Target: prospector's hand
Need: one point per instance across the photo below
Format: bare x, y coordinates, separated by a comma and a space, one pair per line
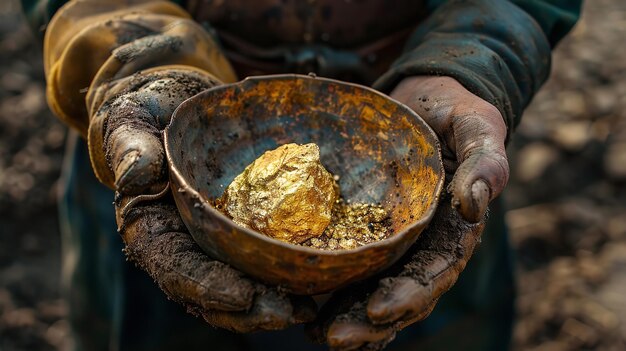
155, 236
368, 316
473, 134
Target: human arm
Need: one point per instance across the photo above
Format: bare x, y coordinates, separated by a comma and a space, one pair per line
469, 73
115, 71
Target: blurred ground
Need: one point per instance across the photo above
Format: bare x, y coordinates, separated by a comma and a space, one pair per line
567, 195
31, 146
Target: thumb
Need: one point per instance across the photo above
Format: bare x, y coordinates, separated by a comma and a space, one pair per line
479, 139
137, 159
125, 134
132, 145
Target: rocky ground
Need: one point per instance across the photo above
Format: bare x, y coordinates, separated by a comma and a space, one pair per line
567, 195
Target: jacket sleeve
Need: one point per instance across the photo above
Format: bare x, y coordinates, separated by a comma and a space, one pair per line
88, 43
499, 50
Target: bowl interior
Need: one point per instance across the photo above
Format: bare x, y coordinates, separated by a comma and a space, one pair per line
382, 152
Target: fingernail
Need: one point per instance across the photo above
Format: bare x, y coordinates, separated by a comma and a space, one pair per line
352, 335
348, 335
380, 304
124, 166
480, 198
404, 297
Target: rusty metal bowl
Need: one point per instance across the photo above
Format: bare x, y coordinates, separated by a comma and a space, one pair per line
383, 152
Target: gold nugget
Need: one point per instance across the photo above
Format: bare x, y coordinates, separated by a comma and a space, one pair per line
286, 194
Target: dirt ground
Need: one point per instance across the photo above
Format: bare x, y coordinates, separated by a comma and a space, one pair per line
567, 195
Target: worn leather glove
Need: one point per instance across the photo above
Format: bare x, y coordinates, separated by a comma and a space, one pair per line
116, 70
367, 316
157, 240
130, 120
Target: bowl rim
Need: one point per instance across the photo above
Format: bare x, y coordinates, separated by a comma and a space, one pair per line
185, 187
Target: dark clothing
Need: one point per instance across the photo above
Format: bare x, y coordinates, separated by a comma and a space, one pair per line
499, 50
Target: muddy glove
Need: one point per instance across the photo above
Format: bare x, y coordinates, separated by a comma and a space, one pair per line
158, 241
116, 70
155, 237
367, 316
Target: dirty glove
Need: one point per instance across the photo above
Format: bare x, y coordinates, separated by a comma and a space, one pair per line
158, 241
367, 316
154, 235
115, 71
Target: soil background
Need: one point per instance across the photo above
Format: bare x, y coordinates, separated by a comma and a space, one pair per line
567, 195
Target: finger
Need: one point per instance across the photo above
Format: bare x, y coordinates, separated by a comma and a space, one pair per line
346, 335
432, 267
418, 317
271, 310
137, 159
132, 135
352, 330
132, 127
359, 334
401, 298
342, 323
157, 240
484, 169
405, 299
472, 129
